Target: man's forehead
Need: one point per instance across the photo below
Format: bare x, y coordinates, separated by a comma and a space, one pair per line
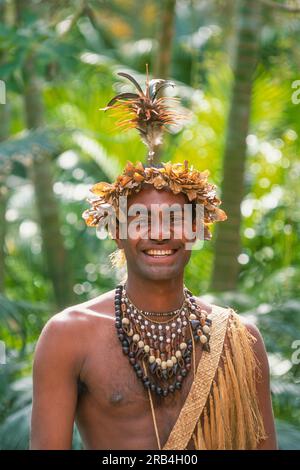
150, 195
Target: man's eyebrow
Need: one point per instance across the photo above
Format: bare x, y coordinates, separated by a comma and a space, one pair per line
148, 210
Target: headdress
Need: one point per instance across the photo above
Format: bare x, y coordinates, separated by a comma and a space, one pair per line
151, 115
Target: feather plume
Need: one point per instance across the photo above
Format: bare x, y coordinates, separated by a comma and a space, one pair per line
145, 111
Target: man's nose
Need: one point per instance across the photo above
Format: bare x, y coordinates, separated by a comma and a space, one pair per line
159, 229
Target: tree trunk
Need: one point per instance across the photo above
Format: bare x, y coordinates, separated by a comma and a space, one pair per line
162, 62
165, 39
56, 257
228, 246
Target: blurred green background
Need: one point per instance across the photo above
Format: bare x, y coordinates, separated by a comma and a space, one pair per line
236, 65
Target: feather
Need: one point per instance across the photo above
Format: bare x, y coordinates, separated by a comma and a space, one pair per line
156, 85
121, 96
145, 112
133, 80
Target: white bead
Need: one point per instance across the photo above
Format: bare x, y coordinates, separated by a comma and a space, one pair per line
203, 339
167, 328
192, 316
154, 337
161, 338
158, 361
178, 354
174, 360
159, 327
169, 363
141, 344
148, 334
183, 346
152, 327
125, 321
173, 325
163, 365
136, 338
206, 329
151, 359
146, 348
168, 340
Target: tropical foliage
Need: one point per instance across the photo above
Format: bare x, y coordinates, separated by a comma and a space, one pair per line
59, 66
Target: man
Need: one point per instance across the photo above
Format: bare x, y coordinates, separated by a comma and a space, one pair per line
193, 385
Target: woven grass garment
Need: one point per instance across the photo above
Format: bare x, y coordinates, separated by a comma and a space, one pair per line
223, 392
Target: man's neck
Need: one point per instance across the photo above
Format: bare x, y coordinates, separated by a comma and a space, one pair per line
155, 296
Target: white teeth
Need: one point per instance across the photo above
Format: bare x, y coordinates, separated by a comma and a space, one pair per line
159, 252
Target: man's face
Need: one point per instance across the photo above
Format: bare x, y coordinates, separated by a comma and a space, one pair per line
139, 244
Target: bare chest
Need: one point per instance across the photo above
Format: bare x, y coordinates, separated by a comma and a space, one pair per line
115, 399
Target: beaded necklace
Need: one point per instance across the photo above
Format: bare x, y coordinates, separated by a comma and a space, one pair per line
160, 351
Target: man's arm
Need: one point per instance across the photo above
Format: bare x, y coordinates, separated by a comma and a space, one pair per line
263, 390
55, 370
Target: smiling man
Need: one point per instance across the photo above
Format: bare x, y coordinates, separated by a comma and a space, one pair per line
148, 365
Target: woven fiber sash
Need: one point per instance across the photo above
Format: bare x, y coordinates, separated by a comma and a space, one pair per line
196, 399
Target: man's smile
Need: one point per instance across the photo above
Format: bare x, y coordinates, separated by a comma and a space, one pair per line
160, 254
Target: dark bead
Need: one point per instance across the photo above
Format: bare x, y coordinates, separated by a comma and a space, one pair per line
147, 384
195, 324
131, 354
179, 378
125, 343
152, 367
178, 385
165, 374
139, 373
190, 342
188, 360
186, 354
132, 360
158, 390
153, 387
120, 331
171, 388
121, 337
165, 392
136, 367
190, 347
118, 324
188, 367
125, 351
183, 372
145, 378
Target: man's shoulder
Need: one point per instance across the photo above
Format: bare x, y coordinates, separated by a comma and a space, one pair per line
81, 317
